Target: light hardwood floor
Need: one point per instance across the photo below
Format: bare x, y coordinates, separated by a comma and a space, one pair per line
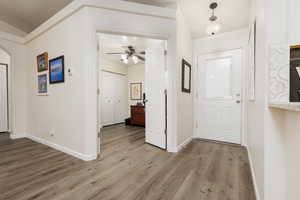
128, 169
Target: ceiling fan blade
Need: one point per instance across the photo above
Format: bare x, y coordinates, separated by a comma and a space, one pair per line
113, 53
141, 58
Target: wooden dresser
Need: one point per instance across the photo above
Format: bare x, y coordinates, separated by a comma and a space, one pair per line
137, 115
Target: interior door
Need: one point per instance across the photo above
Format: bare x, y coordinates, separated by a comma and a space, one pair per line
121, 98
219, 102
154, 89
3, 99
107, 103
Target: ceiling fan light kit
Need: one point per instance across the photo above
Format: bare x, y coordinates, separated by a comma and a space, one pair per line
214, 27
130, 53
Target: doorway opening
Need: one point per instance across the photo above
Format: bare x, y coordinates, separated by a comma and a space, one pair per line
131, 91
4, 91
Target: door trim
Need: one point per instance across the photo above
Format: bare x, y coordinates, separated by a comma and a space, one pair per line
7, 95
243, 90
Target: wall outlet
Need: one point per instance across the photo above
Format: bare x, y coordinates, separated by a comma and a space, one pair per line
52, 132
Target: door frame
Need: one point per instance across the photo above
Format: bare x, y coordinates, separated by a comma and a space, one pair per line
169, 88
244, 76
7, 96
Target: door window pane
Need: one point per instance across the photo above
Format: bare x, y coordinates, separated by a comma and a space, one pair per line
218, 78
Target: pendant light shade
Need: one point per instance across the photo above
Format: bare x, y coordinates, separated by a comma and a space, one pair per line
213, 28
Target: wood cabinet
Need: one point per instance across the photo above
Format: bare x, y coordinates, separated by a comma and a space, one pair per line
138, 115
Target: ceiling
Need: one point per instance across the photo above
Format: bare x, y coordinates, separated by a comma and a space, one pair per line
115, 43
27, 15
160, 3
233, 14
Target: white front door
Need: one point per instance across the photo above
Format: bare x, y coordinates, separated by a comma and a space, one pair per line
155, 95
219, 96
3, 99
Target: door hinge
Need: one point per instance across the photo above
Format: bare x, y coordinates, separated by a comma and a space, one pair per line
98, 91
166, 52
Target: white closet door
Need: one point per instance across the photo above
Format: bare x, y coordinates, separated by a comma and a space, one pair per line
107, 104
121, 98
114, 104
3, 99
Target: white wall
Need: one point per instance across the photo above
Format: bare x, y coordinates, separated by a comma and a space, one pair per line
113, 66
256, 109
222, 42
69, 112
11, 29
17, 83
4, 57
64, 113
282, 127
136, 74
185, 100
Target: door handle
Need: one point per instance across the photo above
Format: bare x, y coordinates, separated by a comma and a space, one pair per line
238, 101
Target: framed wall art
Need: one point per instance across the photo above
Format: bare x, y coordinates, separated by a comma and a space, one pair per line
186, 77
57, 70
136, 91
42, 62
42, 84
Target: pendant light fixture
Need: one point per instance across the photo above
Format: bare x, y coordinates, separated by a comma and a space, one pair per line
213, 28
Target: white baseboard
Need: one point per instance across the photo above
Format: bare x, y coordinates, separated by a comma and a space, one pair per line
17, 136
184, 143
62, 148
253, 175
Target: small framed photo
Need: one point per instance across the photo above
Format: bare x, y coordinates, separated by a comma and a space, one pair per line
42, 84
136, 91
186, 76
42, 62
57, 70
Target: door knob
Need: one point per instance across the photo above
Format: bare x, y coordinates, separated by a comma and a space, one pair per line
238, 101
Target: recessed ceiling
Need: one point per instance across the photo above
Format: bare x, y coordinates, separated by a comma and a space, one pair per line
117, 44
232, 14
27, 15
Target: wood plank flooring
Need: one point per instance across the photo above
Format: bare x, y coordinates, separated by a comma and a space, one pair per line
128, 169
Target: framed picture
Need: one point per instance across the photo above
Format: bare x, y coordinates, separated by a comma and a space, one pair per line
57, 70
186, 76
136, 91
42, 84
42, 62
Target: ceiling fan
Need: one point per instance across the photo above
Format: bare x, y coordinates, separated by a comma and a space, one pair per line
130, 53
